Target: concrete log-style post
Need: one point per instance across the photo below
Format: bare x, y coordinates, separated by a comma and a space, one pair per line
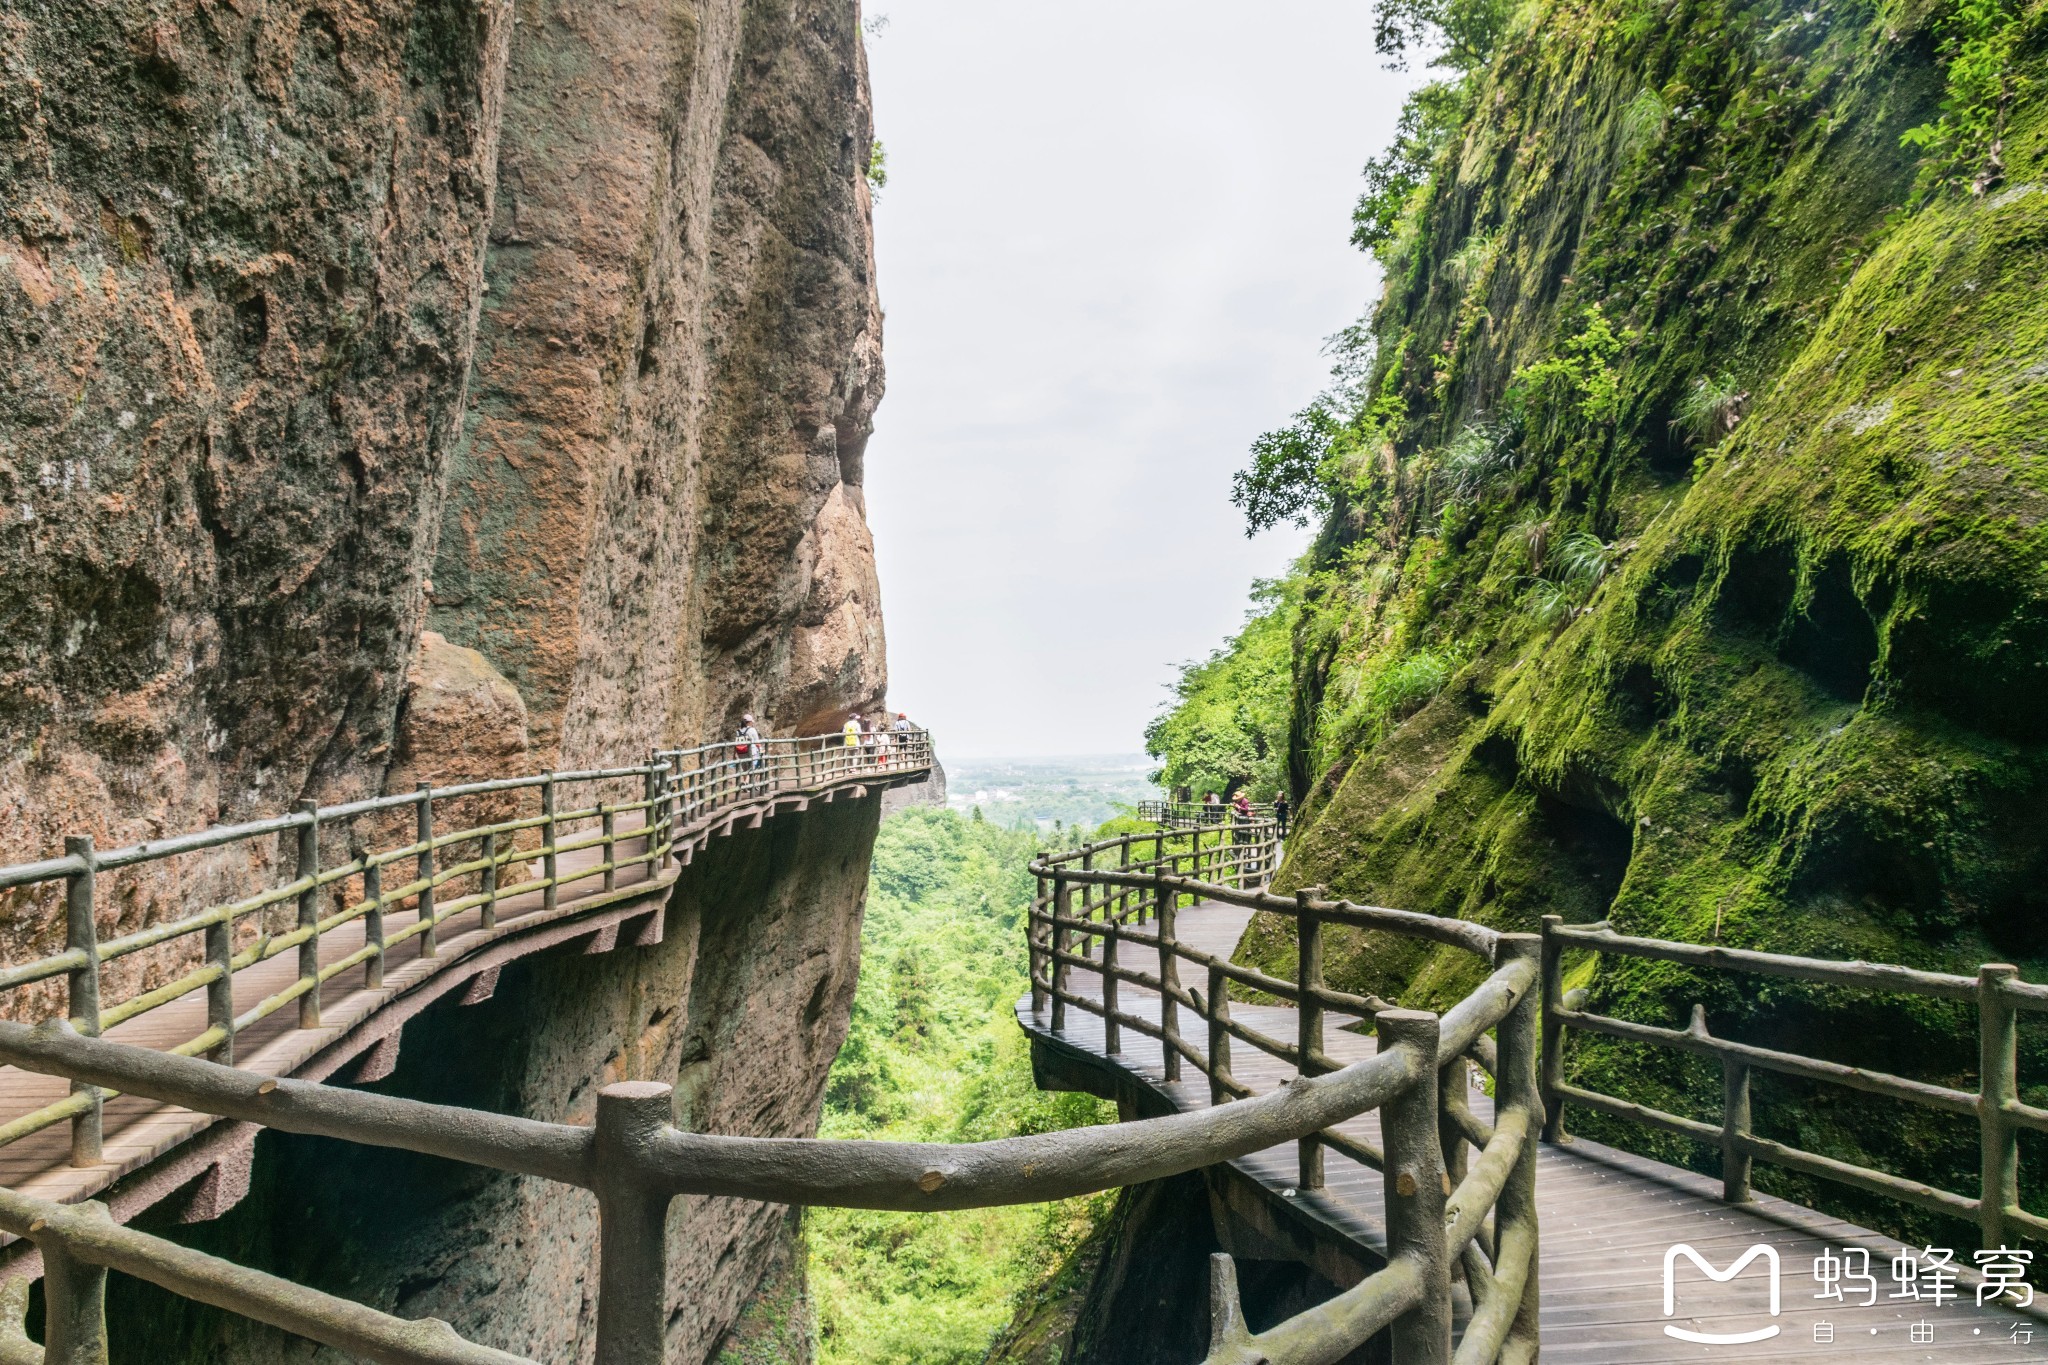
1219, 1037
1516, 1086
1998, 1070
1551, 1072
1061, 939
1087, 948
548, 833
1036, 936
373, 925
489, 888
220, 992
1112, 1031
1735, 1126
1169, 982
652, 796
609, 822
425, 832
308, 871
1308, 983
1415, 1190
81, 934
632, 1302
74, 1302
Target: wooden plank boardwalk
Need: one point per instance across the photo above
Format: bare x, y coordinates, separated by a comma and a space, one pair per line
360, 1026
1608, 1221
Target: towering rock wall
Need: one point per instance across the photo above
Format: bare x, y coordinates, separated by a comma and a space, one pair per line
551, 326
422, 390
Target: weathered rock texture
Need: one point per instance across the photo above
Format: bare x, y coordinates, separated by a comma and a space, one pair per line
742, 1007
324, 323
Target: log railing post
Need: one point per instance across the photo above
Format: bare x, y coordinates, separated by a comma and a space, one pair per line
428, 946
1087, 939
74, 1302
1515, 1087
548, 838
1037, 935
82, 984
1416, 1189
1735, 1126
1998, 1085
373, 925
632, 1299
1219, 1035
1169, 983
490, 881
608, 820
308, 871
651, 794
1112, 1032
1308, 985
1060, 940
1551, 1074
220, 992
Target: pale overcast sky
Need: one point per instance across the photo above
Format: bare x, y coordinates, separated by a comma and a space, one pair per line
1112, 243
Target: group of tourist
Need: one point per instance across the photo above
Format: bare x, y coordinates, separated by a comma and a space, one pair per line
1241, 809
876, 735
865, 732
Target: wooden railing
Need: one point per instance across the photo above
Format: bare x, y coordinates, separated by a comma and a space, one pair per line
401, 865
1091, 913
1190, 814
1996, 995
636, 1162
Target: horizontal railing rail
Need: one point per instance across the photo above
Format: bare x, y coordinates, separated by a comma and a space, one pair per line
402, 866
1091, 912
633, 1160
1998, 997
1183, 814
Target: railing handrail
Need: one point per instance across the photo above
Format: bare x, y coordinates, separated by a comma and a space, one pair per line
1996, 991
1092, 903
636, 1161
673, 791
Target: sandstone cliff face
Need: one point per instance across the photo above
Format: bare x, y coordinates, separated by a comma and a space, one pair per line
555, 330
420, 390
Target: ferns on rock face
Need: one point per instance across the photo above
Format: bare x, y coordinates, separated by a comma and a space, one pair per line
1711, 408
1643, 121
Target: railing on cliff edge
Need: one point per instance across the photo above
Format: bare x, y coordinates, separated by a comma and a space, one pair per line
673, 790
1995, 994
1192, 814
636, 1162
1088, 913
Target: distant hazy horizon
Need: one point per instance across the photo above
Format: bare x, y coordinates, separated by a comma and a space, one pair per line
1112, 241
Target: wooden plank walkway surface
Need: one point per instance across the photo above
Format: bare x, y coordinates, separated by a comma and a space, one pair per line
1608, 1218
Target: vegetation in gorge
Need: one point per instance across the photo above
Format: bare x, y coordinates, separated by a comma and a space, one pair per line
934, 1054
1681, 555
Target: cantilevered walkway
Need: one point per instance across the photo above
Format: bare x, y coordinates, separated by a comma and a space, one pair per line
1608, 1220
371, 912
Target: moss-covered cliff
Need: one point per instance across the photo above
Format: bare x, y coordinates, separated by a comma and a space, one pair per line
1683, 560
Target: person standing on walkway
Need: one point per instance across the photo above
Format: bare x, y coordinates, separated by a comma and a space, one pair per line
1280, 815
746, 747
850, 738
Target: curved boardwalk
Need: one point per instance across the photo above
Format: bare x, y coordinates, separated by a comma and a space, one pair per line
360, 1029
1608, 1221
